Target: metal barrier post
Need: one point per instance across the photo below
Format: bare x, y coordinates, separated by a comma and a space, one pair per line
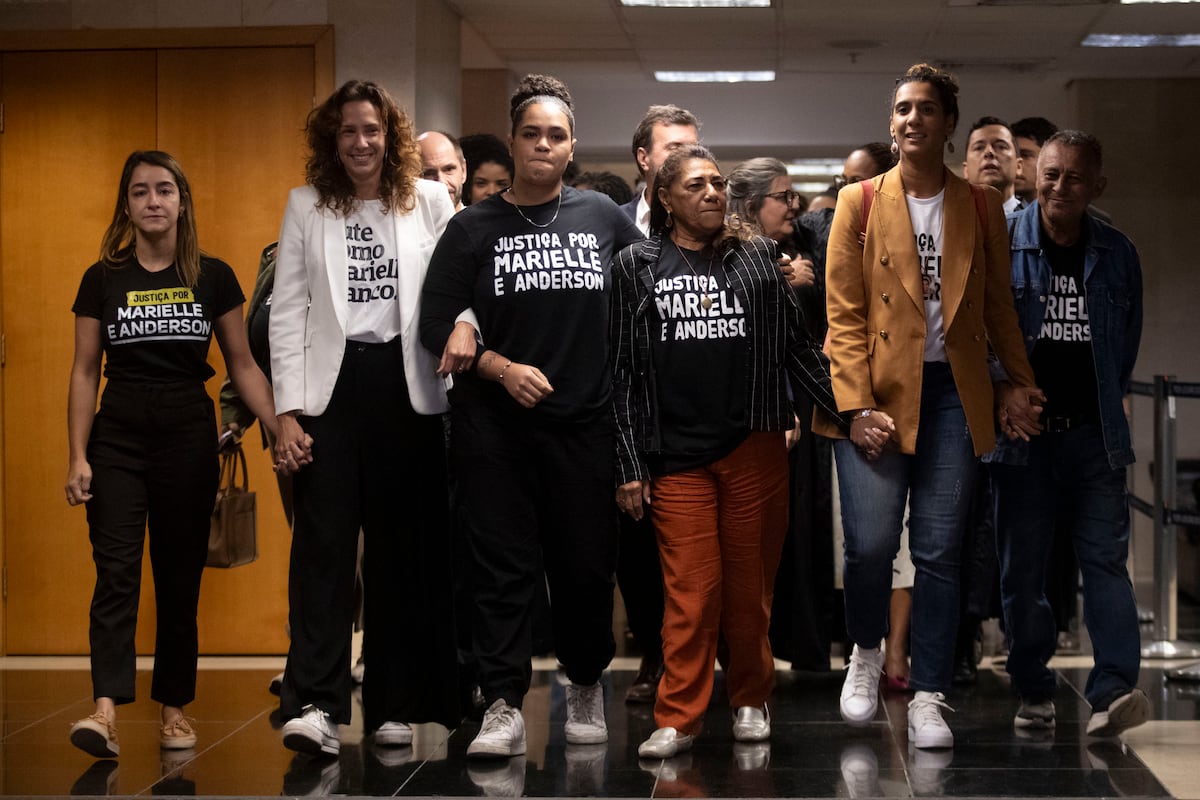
1166, 578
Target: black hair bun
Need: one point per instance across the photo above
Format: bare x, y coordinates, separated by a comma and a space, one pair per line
540, 86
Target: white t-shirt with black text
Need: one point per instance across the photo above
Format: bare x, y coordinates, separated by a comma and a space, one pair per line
927, 218
373, 312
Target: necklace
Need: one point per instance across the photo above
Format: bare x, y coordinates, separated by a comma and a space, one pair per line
527, 219
706, 300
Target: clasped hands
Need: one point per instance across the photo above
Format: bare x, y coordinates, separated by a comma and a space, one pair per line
871, 431
293, 447
1019, 409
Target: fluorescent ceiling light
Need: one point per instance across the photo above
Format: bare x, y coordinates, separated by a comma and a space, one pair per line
1142, 40
714, 76
1131, 2
815, 166
699, 3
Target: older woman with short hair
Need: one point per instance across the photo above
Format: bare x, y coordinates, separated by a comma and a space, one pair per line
707, 335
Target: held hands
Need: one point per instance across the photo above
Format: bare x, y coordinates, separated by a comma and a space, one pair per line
79, 482
459, 353
293, 447
798, 272
633, 497
871, 432
1018, 409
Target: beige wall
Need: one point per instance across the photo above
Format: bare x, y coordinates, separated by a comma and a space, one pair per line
1152, 197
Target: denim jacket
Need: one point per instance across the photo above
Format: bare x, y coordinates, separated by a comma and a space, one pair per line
1112, 278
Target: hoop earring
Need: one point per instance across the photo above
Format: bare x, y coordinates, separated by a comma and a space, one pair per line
895, 148
670, 222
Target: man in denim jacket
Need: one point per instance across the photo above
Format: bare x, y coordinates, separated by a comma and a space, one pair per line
1077, 286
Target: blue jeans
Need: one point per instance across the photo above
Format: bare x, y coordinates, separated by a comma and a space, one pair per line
1067, 478
938, 481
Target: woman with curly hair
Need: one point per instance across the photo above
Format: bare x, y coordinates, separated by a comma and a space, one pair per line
353, 251
531, 424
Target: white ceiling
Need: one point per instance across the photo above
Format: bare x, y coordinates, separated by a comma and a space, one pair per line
835, 61
847, 36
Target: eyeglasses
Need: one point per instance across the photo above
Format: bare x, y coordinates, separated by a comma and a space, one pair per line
787, 196
841, 181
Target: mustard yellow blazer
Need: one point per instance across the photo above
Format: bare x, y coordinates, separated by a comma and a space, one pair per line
876, 308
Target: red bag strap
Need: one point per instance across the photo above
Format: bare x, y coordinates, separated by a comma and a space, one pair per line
868, 188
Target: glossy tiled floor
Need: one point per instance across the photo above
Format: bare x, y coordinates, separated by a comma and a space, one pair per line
811, 753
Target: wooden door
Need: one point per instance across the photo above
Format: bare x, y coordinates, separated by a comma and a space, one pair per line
234, 119
70, 121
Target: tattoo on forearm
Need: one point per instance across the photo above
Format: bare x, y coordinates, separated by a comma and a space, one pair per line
485, 362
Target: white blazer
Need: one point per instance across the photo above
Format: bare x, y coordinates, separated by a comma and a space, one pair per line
309, 305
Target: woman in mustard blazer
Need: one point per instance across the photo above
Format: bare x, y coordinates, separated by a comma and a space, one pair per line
918, 285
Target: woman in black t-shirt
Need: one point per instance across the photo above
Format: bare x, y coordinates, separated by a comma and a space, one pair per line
707, 333
149, 455
531, 431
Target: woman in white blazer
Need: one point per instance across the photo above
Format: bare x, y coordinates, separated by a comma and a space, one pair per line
349, 372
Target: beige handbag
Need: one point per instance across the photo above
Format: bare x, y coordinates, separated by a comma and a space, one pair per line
233, 532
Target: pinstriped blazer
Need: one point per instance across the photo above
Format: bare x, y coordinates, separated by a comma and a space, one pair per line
778, 345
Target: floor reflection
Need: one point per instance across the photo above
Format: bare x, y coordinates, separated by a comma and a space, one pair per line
811, 752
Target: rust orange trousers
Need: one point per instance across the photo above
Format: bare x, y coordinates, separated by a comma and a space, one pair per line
720, 532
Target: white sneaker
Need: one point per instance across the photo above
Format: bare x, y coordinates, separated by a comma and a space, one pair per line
502, 733
585, 715
1127, 711
394, 734
860, 692
314, 731
665, 743
752, 724
926, 728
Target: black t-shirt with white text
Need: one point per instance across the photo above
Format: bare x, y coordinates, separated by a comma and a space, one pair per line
153, 328
1062, 358
539, 285
698, 345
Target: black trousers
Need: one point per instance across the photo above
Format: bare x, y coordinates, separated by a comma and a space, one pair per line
379, 466
153, 452
528, 485
639, 574
804, 608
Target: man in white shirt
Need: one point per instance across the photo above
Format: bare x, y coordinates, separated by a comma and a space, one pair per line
662, 130
442, 160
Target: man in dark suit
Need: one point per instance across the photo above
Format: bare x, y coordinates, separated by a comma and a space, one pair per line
663, 130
